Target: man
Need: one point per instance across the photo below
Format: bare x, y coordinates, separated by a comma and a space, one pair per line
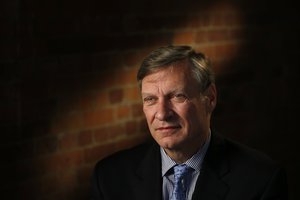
186, 160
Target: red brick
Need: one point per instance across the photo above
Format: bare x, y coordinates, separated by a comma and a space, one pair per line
127, 77
116, 131
137, 110
58, 162
123, 112
101, 99
201, 36
110, 133
208, 51
98, 117
71, 159
132, 94
67, 122
96, 153
116, 96
131, 127
228, 51
87, 102
217, 35
84, 173
184, 38
68, 141
85, 138
101, 135
134, 58
129, 142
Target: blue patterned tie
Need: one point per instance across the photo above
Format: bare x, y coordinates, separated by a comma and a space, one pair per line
179, 191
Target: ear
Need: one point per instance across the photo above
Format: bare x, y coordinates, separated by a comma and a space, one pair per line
211, 97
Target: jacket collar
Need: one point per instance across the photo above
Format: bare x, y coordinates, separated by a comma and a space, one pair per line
210, 184
149, 186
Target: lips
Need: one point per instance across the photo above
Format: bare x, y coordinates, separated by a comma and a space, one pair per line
167, 128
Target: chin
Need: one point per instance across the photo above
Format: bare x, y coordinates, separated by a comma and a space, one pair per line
168, 144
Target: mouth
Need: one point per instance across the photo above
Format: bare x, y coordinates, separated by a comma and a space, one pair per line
167, 128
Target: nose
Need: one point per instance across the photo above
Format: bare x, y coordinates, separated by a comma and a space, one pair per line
164, 111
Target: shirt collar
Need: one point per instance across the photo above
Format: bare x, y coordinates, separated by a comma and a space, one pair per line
194, 162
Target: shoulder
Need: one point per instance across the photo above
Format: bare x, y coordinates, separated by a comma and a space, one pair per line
246, 170
244, 163
247, 156
127, 158
237, 152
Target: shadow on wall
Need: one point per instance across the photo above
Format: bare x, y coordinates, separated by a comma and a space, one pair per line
70, 96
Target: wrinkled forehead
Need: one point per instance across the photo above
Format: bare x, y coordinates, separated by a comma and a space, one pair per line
176, 75
181, 66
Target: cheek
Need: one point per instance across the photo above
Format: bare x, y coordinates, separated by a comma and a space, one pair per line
148, 114
186, 115
191, 116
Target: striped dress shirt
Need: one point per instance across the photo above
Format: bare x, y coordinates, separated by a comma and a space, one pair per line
194, 163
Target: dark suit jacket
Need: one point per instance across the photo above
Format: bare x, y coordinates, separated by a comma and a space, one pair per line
230, 171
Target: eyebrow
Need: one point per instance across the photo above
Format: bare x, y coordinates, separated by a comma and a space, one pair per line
176, 90
147, 94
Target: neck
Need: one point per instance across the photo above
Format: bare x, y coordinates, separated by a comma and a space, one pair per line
181, 155
178, 156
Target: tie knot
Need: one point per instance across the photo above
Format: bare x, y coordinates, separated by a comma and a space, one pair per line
180, 185
180, 170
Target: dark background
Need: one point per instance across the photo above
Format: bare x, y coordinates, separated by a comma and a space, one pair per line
69, 95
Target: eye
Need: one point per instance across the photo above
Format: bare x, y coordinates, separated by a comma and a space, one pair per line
179, 98
149, 100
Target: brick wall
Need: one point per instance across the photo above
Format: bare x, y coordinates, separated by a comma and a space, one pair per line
69, 95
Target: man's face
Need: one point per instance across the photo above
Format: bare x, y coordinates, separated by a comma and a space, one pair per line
177, 114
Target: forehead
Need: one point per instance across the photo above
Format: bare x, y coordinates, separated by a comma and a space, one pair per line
174, 76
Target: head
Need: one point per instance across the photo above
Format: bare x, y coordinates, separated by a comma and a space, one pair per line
179, 96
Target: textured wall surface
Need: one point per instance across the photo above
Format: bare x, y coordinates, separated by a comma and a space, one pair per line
69, 95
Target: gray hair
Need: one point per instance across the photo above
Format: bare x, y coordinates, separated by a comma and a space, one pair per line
165, 56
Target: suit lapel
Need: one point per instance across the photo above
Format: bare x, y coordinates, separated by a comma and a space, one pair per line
149, 184
210, 184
